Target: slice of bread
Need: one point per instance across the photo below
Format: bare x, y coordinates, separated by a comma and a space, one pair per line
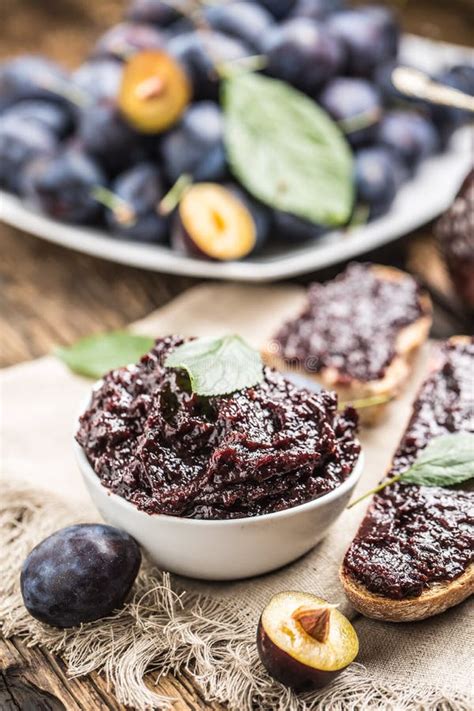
380, 392
432, 601
436, 598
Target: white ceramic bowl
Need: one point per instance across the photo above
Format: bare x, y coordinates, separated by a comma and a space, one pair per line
222, 550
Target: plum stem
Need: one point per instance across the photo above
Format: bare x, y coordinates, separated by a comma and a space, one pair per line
359, 121
124, 212
67, 90
174, 194
314, 621
243, 65
360, 216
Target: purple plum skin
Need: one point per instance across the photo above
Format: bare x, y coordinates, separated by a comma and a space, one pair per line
79, 574
287, 670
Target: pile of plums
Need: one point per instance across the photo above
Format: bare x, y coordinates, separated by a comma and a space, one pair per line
106, 144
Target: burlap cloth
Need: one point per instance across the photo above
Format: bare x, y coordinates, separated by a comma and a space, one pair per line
211, 629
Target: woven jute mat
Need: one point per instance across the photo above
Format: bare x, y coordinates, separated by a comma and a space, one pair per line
169, 622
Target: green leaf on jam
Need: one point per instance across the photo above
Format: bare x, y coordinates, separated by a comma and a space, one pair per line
286, 150
218, 366
94, 356
446, 461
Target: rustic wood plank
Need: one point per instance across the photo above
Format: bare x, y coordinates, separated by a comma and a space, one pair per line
51, 296
27, 675
31, 677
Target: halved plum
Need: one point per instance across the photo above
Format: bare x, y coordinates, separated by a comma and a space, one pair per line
154, 91
303, 641
212, 222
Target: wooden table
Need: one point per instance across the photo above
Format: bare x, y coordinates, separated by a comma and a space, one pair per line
52, 296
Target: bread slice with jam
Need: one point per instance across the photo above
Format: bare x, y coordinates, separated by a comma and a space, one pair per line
413, 555
357, 335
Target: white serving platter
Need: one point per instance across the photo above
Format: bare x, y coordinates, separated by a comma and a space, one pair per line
420, 200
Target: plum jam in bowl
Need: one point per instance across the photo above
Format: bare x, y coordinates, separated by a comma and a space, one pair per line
217, 488
222, 549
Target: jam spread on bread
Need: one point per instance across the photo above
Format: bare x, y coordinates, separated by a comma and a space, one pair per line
351, 324
256, 451
416, 536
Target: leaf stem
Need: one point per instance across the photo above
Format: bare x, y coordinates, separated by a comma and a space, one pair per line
451, 454
376, 490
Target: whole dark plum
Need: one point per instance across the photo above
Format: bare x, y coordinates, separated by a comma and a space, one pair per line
141, 189
292, 229
180, 27
32, 77
199, 53
154, 12
370, 37
79, 574
196, 146
316, 9
62, 186
244, 20
378, 175
356, 104
99, 79
261, 215
127, 38
388, 25
21, 141
302, 53
55, 117
104, 134
409, 135
278, 8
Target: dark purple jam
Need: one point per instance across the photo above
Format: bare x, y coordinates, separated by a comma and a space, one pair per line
351, 324
455, 233
259, 450
413, 536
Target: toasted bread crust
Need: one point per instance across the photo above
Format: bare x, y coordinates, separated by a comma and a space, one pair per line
432, 601
409, 340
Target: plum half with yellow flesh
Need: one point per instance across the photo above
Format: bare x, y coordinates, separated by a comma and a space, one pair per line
303, 641
213, 223
154, 91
